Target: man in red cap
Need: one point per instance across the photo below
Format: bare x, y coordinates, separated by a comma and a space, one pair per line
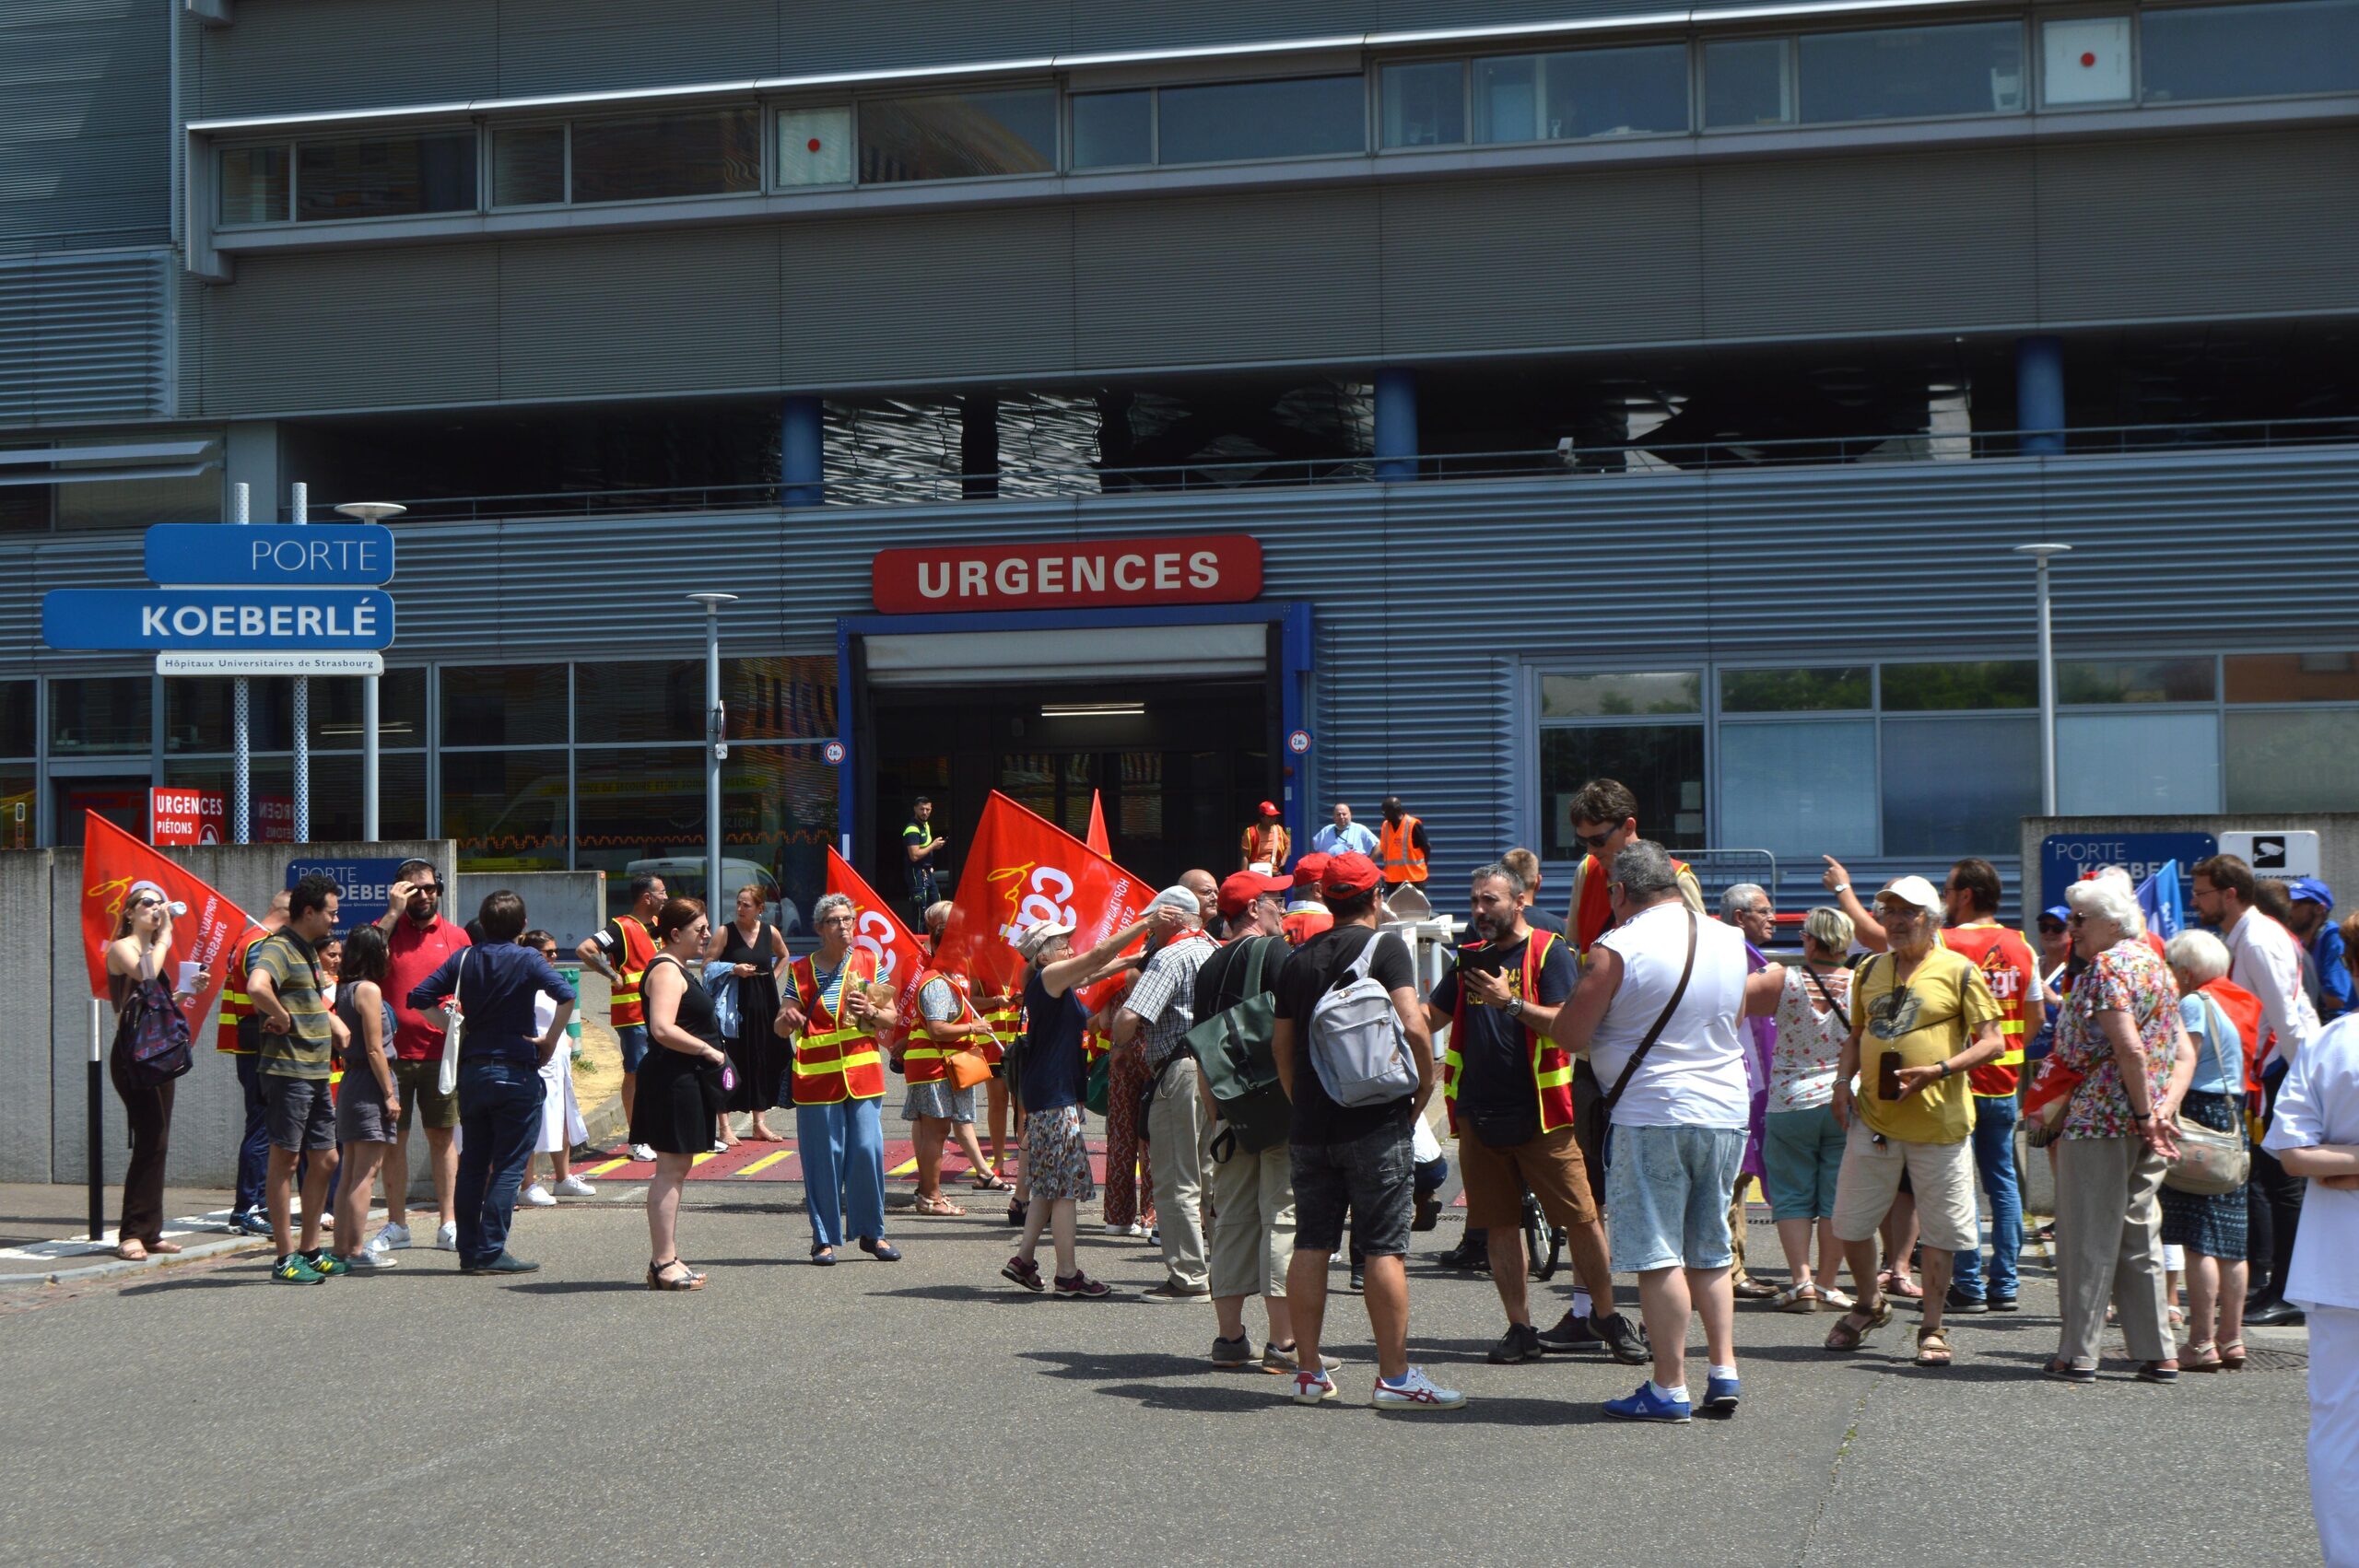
1265, 844
1306, 917
1252, 1191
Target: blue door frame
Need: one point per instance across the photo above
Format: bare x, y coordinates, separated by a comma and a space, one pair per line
1295, 655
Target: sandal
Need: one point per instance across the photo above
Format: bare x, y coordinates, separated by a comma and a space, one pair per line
1846, 1334
942, 1206
2232, 1356
987, 1182
2178, 1317
1798, 1298
132, 1252
1906, 1288
661, 1278
2063, 1371
1933, 1348
2156, 1372
2202, 1355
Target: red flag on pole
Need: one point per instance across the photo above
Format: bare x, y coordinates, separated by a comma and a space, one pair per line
900, 956
1020, 868
113, 861
1098, 839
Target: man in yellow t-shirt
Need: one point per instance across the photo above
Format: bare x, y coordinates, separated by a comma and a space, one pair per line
1922, 1017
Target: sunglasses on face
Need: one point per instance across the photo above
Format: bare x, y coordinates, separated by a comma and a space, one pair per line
148, 904
1594, 841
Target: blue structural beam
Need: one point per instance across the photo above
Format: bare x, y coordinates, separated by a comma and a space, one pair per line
2039, 394
1396, 424
801, 453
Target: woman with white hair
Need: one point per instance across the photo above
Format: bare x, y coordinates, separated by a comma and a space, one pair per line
2121, 1033
1802, 1145
2222, 1019
836, 1082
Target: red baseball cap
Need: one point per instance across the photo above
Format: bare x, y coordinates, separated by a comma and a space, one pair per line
1237, 893
1309, 870
1269, 810
1349, 873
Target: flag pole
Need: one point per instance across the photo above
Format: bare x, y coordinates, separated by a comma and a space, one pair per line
97, 1128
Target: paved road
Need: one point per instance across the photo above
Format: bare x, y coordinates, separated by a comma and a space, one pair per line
925, 1412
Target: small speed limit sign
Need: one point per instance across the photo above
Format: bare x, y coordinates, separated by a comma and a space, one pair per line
1298, 743
834, 752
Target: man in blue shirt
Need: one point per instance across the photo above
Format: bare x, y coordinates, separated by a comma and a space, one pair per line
2313, 921
1343, 836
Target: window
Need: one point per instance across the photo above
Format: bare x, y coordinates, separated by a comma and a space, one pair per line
95, 504
1905, 73
2291, 760
1930, 689
958, 136
18, 794
2249, 51
528, 166
509, 810
505, 705
1954, 786
650, 701
105, 715
2293, 677
2137, 764
1796, 691
1232, 121
2135, 680
200, 714
1593, 92
707, 153
1798, 788
1113, 130
1607, 695
387, 177
2084, 60
401, 711
1662, 764
780, 698
253, 185
401, 795
814, 146
1425, 104
18, 728
1748, 81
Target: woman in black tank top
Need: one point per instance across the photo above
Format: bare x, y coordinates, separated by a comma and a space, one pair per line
680, 1088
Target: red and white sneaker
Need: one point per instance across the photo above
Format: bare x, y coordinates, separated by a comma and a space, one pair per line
1317, 1387
1415, 1391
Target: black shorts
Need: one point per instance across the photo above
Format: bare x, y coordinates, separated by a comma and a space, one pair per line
302, 1114
1374, 1176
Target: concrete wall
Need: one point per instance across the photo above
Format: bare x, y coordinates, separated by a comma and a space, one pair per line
570, 906
45, 1029
2338, 841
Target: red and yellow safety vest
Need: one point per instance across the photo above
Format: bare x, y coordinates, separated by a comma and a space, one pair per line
2012, 974
236, 1004
835, 1063
1591, 913
1397, 856
1301, 925
926, 1060
1552, 1065
1260, 843
629, 1011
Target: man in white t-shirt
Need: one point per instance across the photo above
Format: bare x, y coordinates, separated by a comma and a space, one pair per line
1678, 1110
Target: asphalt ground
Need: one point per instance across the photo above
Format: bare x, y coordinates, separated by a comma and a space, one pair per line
926, 1410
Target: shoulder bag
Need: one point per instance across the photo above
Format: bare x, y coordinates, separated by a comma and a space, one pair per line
2210, 1161
1678, 994
447, 1077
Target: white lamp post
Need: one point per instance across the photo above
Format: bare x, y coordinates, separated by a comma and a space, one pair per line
2039, 555
716, 737
369, 511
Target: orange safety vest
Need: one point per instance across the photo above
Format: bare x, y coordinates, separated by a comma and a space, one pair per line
926, 1060
1259, 843
1398, 855
627, 1011
1301, 925
236, 1004
1552, 1065
1591, 913
2012, 974
832, 1062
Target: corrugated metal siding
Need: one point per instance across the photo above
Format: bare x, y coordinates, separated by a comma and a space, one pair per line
676, 311
1504, 264
354, 328
874, 35
83, 336
564, 46
1219, 278
1934, 239
296, 56
1191, 24
2194, 226
85, 86
1454, 587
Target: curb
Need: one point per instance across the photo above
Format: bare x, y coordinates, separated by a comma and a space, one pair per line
221, 1248
607, 1125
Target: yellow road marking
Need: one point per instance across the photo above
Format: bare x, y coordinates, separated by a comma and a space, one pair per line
601, 1170
766, 1162
907, 1168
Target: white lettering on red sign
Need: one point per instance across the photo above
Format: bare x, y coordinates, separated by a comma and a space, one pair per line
1211, 570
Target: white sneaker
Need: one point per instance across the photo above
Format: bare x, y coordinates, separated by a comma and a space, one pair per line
537, 1197
1317, 1387
366, 1259
718, 1147
1115, 1230
391, 1239
447, 1238
574, 1186
642, 1153
1415, 1391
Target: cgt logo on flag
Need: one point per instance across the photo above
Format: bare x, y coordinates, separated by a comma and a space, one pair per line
1034, 893
109, 895
873, 931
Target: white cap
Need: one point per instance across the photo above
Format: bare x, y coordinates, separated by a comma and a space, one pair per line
1038, 934
1176, 898
1917, 891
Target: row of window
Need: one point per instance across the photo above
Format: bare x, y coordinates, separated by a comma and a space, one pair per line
2177, 54
1943, 759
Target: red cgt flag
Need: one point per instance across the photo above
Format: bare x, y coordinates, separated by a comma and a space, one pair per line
1020, 868
113, 861
1098, 839
901, 957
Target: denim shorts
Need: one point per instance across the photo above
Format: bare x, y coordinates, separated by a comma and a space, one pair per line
1667, 1196
1374, 1176
633, 1038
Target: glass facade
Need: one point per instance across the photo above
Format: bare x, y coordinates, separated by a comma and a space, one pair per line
1912, 72
385, 177
1237, 121
2252, 51
958, 136
528, 166
814, 146
1748, 81
1113, 130
707, 153
1590, 92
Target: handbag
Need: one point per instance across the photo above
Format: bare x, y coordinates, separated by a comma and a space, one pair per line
447, 1077
152, 1036
2210, 1161
968, 1068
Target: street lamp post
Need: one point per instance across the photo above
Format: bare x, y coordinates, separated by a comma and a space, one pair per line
716, 738
369, 511
2039, 555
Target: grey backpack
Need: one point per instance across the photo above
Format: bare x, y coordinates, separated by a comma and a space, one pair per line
1358, 1046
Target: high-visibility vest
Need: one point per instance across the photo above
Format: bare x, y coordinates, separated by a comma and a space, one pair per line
926, 1060
2012, 974
1590, 913
236, 1001
1007, 1019
1301, 924
833, 1062
639, 951
1552, 1065
1398, 855
1259, 843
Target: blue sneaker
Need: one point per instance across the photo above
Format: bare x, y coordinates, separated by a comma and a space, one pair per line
1720, 1397
252, 1223
1647, 1405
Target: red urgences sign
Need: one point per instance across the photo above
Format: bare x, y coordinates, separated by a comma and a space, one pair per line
1216, 568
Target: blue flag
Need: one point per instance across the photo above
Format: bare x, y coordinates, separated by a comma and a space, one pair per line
2158, 900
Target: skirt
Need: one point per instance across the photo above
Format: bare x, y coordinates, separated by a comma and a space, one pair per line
2212, 1224
940, 1100
679, 1099
1056, 1155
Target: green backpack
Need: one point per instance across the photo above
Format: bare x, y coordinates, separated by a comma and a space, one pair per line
1232, 1048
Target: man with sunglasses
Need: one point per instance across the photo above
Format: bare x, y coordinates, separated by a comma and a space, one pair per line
418, 940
